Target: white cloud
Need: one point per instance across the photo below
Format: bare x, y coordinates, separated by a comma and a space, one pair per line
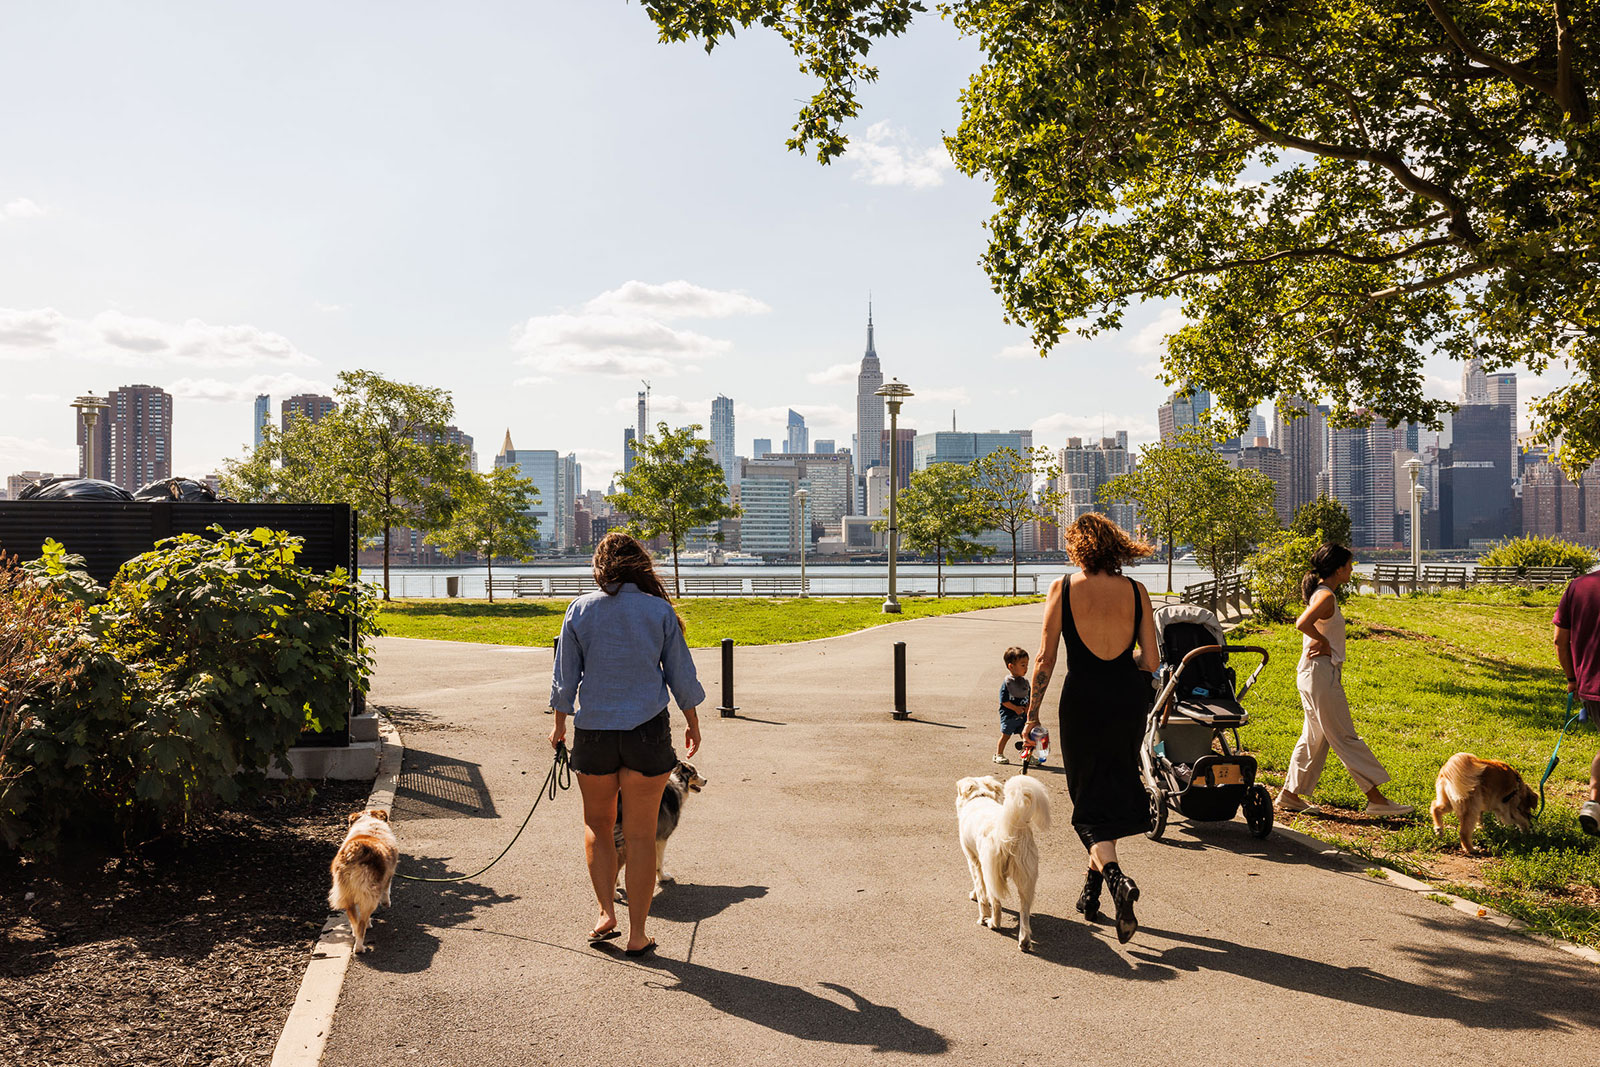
885, 155
944, 395
1151, 340
45, 398
320, 306
20, 208
29, 334
216, 391
613, 345
38, 453
534, 379
114, 337
673, 300
1022, 351
1053, 430
837, 374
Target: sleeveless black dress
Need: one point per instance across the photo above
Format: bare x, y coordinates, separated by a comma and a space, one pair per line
1104, 704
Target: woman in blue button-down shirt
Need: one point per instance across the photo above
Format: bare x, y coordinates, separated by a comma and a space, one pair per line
621, 652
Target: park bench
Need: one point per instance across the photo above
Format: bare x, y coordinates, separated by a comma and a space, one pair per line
1497, 576
1225, 598
503, 586
1550, 575
1445, 576
713, 586
1397, 576
571, 586
776, 586
517, 585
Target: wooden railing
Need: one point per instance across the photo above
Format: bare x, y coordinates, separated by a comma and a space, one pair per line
1226, 597
1398, 578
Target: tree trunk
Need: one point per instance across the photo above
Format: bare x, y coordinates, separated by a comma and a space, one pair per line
1169, 561
677, 589
938, 562
490, 561
385, 561
1013, 562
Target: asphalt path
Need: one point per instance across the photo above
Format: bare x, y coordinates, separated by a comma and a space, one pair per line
821, 915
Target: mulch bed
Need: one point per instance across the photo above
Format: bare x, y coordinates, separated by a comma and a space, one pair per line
189, 953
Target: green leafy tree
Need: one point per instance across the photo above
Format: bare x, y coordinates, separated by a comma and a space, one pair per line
383, 450
1275, 571
675, 485
940, 513
1232, 514
1333, 192
1323, 518
491, 518
1532, 551
1161, 487
1014, 488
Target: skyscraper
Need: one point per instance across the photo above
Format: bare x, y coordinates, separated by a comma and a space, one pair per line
799, 438
133, 437
1299, 432
555, 477
761, 446
722, 436
629, 449
1475, 501
263, 416
1502, 389
1360, 475
1474, 383
869, 407
1181, 410
311, 406
642, 427
824, 446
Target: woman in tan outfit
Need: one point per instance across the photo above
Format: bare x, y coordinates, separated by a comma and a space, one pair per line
1319, 678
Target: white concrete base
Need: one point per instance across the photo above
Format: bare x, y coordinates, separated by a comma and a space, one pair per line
364, 727
358, 760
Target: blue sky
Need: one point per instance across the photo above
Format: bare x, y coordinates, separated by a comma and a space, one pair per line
533, 205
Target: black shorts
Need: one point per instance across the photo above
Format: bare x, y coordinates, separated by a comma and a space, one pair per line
647, 749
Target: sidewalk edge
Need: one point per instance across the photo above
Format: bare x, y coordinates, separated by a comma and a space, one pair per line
1466, 907
305, 1031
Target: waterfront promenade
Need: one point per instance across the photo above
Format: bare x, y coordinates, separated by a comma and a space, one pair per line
821, 915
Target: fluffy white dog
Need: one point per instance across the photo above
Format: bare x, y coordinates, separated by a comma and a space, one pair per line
997, 824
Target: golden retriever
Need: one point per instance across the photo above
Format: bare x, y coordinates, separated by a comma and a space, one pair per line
1470, 786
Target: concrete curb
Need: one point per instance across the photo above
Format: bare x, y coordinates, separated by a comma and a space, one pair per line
305, 1031
1421, 888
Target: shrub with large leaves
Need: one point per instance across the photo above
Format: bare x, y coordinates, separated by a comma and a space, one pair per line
198, 670
1530, 551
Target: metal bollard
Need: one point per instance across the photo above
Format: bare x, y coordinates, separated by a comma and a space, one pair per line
728, 706
900, 711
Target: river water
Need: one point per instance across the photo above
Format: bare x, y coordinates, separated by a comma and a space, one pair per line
961, 579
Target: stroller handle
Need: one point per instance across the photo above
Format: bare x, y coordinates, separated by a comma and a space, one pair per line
1164, 701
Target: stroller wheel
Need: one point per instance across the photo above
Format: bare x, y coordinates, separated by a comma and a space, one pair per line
1158, 814
1258, 810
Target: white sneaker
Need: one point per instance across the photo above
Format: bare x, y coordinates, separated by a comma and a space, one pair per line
1389, 810
1589, 817
1002, 759
1297, 806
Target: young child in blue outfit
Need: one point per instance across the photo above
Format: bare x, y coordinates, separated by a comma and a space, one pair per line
1014, 693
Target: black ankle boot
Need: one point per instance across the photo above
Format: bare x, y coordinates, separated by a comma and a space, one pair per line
1089, 899
1124, 891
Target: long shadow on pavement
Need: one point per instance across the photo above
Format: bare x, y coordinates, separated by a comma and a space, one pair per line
404, 943
799, 1013
692, 903
1491, 990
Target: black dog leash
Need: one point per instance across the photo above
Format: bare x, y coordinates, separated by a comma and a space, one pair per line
560, 776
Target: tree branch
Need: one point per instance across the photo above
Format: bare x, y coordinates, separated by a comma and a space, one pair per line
1309, 253
1515, 71
1571, 94
1460, 221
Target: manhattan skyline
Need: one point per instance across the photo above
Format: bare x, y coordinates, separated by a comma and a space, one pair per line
550, 208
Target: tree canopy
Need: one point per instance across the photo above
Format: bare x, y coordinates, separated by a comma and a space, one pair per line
383, 450
675, 485
491, 517
1323, 518
939, 513
1332, 191
1013, 488
1162, 487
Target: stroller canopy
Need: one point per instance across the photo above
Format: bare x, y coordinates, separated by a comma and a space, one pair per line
1193, 614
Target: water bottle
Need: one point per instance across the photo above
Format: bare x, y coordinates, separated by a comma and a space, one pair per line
1039, 739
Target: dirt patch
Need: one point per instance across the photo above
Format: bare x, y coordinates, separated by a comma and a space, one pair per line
189, 954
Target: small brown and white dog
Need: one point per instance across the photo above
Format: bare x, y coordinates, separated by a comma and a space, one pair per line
997, 823
363, 870
1470, 786
681, 781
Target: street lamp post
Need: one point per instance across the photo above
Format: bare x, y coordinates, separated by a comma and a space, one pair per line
894, 393
800, 495
89, 408
1414, 468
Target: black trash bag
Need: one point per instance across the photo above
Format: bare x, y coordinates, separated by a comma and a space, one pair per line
185, 489
75, 489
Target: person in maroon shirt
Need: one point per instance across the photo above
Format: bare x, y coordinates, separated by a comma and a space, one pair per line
1577, 625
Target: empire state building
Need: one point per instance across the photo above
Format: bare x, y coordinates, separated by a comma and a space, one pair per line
869, 409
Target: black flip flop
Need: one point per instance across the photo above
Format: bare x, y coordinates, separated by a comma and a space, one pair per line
643, 950
610, 935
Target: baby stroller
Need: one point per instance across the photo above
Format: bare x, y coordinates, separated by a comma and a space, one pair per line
1188, 764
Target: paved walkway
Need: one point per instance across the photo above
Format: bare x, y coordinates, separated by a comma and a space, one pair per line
822, 915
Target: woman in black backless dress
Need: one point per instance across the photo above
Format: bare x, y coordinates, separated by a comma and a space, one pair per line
1104, 701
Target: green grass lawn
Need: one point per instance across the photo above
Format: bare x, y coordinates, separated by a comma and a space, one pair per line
749, 621
1429, 676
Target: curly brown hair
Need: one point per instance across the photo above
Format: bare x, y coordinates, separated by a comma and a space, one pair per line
1099, 546
619, 558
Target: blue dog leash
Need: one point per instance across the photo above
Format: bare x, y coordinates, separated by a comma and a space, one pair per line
1555, 757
